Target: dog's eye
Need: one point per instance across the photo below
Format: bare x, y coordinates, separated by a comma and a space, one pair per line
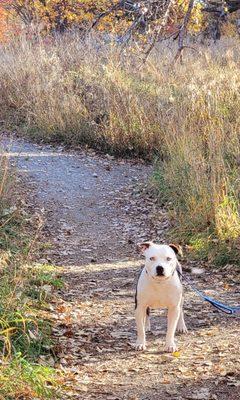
168, 258
152, 258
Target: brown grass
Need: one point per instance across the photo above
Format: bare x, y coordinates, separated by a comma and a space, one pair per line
188, 115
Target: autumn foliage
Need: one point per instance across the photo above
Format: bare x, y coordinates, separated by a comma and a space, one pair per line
57, 15
46, 16
3, 23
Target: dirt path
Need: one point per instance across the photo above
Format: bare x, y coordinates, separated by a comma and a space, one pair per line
95, 215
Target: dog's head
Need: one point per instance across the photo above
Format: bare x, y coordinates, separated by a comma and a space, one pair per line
160, 259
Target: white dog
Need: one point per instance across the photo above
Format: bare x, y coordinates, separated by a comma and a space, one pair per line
159, 285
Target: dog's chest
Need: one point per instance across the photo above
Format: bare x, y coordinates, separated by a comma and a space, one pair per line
159, 295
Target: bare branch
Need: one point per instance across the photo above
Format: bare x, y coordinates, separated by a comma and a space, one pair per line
160, 28
183, 30
227, 6
114, 8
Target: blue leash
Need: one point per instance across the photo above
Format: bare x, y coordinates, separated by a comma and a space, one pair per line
220, 306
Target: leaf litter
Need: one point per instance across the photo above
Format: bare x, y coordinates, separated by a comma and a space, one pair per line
96, 210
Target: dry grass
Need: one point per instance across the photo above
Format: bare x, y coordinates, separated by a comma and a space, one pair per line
188, 115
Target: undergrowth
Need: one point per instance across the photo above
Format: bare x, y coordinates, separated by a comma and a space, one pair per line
25, 292
22, 379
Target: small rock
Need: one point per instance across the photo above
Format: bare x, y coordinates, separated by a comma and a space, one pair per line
201, 394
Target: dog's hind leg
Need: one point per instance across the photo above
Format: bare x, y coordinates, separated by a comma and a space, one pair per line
147, 322
181, 326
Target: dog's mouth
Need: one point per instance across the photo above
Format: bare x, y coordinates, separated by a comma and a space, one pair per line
163, 277
160, 277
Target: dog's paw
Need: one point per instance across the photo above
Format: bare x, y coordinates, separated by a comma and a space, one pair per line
170, 347
140, 346
182, 329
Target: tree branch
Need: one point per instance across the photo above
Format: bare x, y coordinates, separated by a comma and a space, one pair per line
183, 30
160, 29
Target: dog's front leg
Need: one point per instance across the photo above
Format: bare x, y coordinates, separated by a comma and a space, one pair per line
173, 316
140, 315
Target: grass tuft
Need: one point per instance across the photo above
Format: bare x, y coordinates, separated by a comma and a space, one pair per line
20, 379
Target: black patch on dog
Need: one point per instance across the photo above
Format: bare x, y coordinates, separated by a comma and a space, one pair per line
148, 311
136, 298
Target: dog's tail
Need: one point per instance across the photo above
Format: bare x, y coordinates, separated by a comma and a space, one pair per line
194, 270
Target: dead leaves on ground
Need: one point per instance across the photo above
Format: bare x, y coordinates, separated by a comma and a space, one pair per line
95, 330
93, 317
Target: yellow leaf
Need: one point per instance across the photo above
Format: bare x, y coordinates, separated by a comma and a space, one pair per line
176, 354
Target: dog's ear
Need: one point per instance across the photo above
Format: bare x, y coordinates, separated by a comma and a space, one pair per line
177, 249
143, 246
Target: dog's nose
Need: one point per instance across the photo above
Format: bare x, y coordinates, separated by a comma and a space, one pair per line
159, 270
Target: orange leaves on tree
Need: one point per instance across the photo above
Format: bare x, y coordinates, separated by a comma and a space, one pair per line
58, 14
3, 23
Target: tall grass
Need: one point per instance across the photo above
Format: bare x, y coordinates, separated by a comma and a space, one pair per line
187, 115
